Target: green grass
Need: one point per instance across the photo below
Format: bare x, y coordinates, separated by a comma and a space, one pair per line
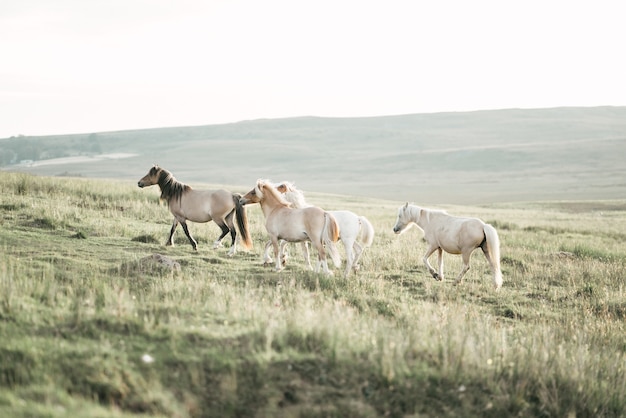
80, 305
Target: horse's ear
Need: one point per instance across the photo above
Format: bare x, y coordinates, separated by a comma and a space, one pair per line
406, 205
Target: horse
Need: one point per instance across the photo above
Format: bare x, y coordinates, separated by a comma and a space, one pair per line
284, 222
189, 204
355, 231
455, 235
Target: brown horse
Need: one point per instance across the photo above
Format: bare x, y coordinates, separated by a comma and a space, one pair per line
283, 222
188, 204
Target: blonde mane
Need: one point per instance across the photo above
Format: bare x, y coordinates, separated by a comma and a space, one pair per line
265, 187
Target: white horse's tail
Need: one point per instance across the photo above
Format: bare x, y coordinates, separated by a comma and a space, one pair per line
367, 232
493, 250
330, 235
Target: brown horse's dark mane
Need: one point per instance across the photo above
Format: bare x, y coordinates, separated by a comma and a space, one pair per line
170, 187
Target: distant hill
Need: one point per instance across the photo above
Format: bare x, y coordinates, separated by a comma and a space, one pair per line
464, 157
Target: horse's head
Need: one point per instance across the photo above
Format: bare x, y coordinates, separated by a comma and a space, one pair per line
151, 178
255, 195
404, 219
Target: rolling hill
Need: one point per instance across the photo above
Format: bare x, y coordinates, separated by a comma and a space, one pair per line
457, 158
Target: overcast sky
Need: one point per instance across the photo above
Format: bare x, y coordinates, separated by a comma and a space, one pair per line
81, 66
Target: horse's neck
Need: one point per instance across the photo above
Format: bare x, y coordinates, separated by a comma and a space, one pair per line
170, 187
270, 204
418, 215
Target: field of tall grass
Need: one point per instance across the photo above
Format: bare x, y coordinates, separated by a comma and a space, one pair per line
90, 325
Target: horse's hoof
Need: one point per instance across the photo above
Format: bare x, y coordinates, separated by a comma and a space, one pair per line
436, 277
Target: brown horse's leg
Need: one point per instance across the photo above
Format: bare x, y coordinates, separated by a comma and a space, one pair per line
170, 240
225, 231
193, 242
232, 230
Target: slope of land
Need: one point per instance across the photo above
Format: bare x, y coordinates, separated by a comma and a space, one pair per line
465, 157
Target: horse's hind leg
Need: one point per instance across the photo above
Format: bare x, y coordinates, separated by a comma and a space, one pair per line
358, 251
466, 260
193, 242
348, 245
233, 232
225, 231
170, 239
440, 263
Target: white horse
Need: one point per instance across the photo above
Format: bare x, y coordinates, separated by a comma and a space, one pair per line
356, 232
454, 235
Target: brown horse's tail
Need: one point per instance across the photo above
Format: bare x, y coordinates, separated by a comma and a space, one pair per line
242, 222
330, 235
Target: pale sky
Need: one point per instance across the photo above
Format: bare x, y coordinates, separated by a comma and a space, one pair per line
82, 66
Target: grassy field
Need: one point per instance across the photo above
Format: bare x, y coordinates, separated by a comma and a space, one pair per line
90, 326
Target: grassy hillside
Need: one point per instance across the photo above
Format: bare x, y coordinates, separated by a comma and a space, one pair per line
461, 158
91, 327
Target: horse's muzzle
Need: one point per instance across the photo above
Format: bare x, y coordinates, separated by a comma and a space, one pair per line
243, 201
140, 184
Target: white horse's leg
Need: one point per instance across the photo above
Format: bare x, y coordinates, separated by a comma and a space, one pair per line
348, 244
440, 262
358, 250
307, 256
326, 269
277, 255
267, 259
283, 252
466, 260
431, 270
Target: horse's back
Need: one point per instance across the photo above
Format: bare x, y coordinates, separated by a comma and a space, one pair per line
348, 221
204, 205
453, 233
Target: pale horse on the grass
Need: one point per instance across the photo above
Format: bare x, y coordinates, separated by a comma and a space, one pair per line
355, 231
283, 222
454, 235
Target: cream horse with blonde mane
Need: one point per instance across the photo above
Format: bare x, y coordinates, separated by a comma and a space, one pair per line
283, 222
454, 235
355, 231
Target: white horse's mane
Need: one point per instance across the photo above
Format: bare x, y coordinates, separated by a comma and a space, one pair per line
293, 195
